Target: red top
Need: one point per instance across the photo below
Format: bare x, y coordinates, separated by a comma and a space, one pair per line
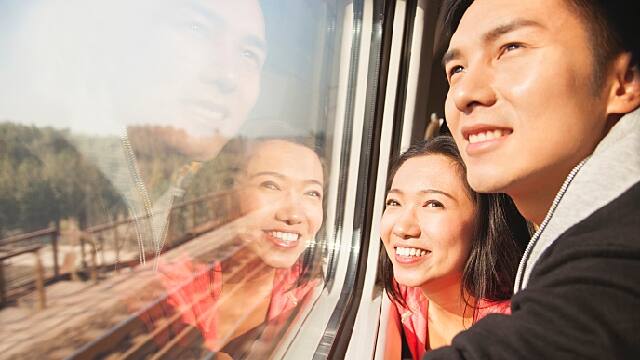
194, 289
414, 317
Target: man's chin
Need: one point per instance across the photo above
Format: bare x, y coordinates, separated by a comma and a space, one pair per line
486, 183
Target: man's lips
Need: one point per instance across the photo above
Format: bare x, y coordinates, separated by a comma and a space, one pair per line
479, 133
483, 138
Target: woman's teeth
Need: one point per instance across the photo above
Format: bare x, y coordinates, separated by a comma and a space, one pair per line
406, 251
487, 135
284, 236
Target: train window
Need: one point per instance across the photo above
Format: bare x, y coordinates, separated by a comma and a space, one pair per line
183, 179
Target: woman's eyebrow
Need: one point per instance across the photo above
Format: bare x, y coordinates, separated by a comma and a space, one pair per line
434, 191
282, 176
269, 173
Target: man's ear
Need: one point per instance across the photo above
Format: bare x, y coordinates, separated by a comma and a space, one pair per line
624, 96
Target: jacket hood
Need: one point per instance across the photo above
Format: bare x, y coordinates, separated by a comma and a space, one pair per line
612, 169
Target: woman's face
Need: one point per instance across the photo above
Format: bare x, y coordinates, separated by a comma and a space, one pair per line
427, 224
281, 195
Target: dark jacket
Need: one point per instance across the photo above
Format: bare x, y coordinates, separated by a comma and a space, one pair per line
578, 287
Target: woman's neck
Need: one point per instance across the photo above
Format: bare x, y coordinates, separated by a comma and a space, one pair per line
448, 312
247, 285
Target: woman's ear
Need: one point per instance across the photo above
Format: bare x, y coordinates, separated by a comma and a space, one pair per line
624, 96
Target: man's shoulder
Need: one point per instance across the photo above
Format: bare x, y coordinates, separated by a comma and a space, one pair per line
611, 231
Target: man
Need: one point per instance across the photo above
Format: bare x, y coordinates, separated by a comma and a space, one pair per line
543, 103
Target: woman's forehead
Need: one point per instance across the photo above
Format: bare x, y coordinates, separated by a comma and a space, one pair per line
286, 158
436, 172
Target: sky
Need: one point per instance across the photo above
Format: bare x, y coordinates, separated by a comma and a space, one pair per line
97, 66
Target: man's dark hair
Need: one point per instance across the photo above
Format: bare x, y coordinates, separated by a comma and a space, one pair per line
612, 26
499, 238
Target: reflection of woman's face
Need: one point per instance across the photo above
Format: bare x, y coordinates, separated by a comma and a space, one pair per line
428, 222
283, 186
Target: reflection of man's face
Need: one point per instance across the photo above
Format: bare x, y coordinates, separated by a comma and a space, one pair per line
283, 182
521, 105
225, 49
104, 65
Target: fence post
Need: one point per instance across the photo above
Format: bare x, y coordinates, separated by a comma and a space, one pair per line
54, 245
103, 259
116, 244
3, 286
193, 215
73, 237
94, 259
42, 296
170, 226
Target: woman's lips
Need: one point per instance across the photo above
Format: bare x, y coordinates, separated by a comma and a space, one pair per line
283, 239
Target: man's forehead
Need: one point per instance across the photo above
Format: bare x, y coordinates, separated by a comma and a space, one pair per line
484, 16
244, 16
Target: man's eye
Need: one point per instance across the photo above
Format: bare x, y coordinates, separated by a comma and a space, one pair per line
510, 47
252, 56
455, 70
269, 185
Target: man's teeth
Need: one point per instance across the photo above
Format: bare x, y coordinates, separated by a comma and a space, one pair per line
487, 135
406, 251
284, 236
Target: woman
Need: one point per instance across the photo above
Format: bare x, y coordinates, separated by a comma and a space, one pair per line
268, 265
451, 254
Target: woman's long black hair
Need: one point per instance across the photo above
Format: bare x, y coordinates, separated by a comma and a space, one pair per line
499, 238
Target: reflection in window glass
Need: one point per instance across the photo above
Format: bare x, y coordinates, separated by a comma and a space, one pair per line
163, 170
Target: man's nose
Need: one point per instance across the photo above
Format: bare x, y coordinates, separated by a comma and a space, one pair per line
473, 88
290, 210
406, 225
225, 81
224, 73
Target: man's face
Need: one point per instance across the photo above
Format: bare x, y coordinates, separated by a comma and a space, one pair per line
223, 65
521, 103
197, 64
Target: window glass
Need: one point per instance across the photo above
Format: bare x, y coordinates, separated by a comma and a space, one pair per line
163, 174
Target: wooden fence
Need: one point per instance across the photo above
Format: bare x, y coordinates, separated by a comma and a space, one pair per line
185, 221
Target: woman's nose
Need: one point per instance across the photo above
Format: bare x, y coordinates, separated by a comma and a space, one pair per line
473, 88
290, 211
406, 225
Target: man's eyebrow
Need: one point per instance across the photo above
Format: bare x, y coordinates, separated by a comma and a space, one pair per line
282, 176
450, 55
511, 26
212, 18
492, 35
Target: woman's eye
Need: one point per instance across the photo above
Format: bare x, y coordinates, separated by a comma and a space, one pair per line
392, 202
269, 185
314, 193
433, 204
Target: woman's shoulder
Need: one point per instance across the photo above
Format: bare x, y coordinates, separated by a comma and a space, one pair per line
486, 307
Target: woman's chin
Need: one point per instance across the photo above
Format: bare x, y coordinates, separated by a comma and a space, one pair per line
409, 280
279, 262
